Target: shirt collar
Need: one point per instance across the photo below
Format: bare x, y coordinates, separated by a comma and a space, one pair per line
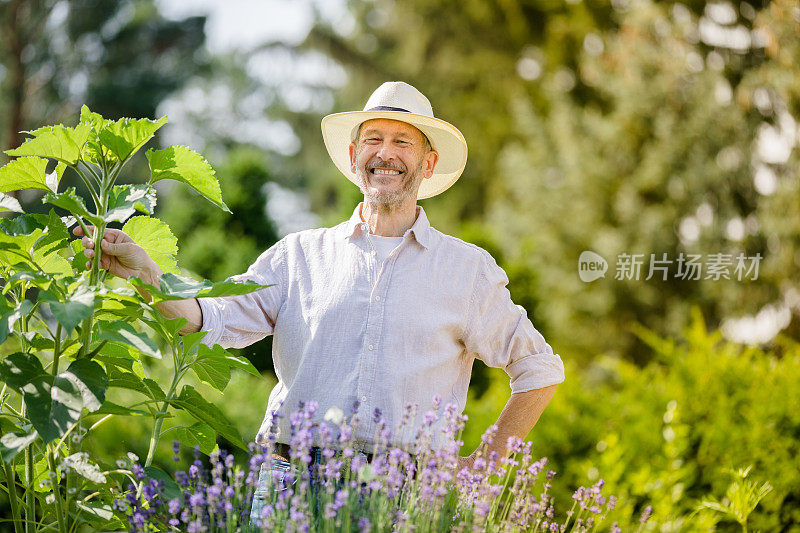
421, 229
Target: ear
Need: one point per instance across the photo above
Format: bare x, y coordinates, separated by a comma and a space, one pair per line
352, 150
429, 163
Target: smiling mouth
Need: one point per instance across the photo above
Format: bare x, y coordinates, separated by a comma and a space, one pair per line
385, 171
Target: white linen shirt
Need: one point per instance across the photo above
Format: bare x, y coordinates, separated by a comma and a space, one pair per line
348, 329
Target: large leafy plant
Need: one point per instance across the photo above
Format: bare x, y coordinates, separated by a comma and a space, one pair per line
68, 337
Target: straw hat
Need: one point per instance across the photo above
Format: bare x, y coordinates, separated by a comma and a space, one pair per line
398, 100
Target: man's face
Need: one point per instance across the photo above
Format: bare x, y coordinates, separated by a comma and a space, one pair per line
390, 160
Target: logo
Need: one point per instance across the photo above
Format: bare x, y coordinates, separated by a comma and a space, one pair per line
591, 266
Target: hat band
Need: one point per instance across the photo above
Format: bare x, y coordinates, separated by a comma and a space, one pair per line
387, 108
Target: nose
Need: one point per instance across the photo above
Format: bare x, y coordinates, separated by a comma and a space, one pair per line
386, 151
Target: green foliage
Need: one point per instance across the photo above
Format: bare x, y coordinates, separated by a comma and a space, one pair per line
181, 164
667, 434
741, 498
99, 331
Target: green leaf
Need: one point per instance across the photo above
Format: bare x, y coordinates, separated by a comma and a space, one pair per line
93, 151
55, 236
197, 434
90, 379
97, 510
181, 164
125, 333
125, 200
78, 261
174, 287
73, 203
24, 173
155, 237
191, 341
234, 361
110, 408
126, 380
54, 404
36, 279
56, 142
77, 307
80, 464
41, 469
18, 369
212, 371
14, 442
190, 401
153, 389
125, 136
118, 352
171, 489
213, 366
9, 203
23, 309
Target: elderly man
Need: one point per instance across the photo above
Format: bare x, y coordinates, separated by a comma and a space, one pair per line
381, 310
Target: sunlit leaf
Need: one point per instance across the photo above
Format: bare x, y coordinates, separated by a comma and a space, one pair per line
77, 307
174, 287
14, 442
9, 203
73, 203
181, 164
125, 136
93, 152
125, 200
90, 379
54, 403
18, 369
24, 173
55, 142
125, 333
198, 434
155, 237
80, 464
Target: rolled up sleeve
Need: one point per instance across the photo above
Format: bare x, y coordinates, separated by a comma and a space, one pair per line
500, 334
241, 320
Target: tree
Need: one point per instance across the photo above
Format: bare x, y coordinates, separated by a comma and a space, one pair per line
119, 58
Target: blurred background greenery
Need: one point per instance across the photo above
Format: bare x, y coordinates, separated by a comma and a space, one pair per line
626, 126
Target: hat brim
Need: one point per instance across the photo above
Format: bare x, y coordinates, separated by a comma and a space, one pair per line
339, 129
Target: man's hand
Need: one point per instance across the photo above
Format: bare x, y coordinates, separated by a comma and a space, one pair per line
120, 255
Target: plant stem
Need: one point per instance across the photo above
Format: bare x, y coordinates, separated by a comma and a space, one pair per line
89, 186
94, 276
56, 349
60, 511
11, 483
30, 503
156, 435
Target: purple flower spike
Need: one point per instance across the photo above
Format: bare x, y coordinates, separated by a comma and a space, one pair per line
646, 514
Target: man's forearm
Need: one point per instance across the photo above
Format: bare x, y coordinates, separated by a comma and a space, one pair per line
518, 417
188, 309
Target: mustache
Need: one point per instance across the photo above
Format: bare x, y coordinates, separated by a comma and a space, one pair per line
380, 163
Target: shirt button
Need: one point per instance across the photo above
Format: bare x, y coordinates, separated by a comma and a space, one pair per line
371, 347
364, 227
377, 298
363, 399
